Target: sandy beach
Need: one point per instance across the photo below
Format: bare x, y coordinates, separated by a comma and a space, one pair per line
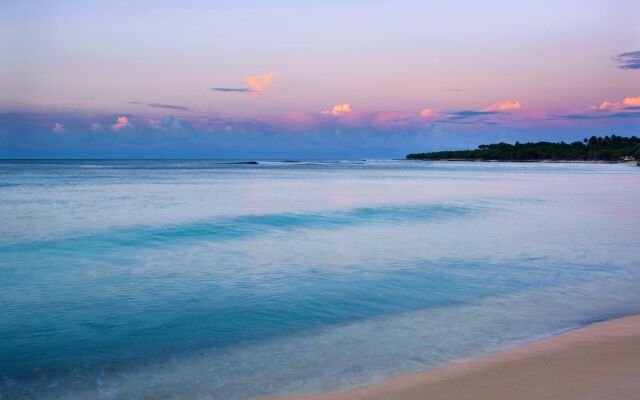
598, 362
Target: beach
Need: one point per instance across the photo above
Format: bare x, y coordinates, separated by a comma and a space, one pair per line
600, 361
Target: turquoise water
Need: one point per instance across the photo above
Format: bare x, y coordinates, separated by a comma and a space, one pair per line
224, 280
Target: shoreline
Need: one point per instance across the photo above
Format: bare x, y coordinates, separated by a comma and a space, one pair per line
598, 361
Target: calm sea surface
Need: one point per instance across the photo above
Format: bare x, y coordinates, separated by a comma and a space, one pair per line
221, 280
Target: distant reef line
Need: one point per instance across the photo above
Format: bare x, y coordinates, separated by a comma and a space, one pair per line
604, 149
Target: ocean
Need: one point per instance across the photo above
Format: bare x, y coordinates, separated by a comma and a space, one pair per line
236, 280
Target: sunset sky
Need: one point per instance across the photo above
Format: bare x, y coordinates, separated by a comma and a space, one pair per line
268, 79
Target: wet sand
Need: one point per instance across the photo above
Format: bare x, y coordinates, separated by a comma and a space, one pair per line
598, 362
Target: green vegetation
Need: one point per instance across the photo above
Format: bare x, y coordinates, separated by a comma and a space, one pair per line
608, 148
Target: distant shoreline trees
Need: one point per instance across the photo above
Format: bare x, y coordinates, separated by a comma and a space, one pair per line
609, 148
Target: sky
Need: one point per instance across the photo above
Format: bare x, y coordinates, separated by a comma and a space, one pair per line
311, 79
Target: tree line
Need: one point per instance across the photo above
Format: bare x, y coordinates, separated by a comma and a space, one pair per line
607, 148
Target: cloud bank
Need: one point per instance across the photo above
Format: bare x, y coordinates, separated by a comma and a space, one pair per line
341, 131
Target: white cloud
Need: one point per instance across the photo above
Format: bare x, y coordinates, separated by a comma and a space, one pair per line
339, 109
121, 123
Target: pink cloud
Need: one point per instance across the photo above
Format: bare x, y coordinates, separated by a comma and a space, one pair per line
427, 113
339, 109
627, 102
121, 123
259, 83
59, 128
503, 106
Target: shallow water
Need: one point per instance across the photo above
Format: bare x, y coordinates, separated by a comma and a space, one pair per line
217, 279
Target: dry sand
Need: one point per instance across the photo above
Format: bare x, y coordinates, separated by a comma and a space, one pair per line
598, 362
